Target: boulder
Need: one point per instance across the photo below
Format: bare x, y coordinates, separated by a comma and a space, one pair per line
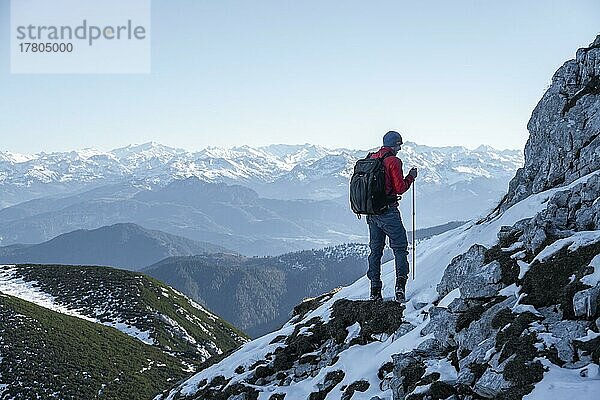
484, 283
481, 329
460, 267
491, 384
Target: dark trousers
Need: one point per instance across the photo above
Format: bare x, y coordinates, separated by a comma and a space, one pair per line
387, 224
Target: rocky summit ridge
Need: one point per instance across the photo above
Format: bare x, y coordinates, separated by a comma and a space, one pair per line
504, 308
564, 141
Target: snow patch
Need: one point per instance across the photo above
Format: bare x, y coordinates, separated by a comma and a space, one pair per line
143, 336
591, 335
15, 286
594, 277
512, 290
523, 268
521, 308
449, 298
513, 247
567, 384
577, 240
444, 368
519, 255
353, 332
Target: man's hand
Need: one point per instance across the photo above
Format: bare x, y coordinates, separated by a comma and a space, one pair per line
413, 172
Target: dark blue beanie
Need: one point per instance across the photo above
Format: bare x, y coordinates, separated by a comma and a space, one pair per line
391, 138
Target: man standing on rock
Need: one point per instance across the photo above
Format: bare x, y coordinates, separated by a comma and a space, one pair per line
389, 222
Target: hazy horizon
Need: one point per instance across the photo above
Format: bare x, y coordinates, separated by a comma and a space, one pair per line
189, 150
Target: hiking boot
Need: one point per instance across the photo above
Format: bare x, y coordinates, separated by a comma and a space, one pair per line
376, 295
401, 289
400, 295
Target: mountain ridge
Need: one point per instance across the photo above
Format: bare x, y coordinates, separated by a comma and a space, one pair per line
258, 167
124, 245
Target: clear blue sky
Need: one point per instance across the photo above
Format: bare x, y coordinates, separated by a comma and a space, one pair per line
335, 73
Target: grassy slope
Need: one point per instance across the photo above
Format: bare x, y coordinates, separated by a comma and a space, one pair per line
45, 354
138, 299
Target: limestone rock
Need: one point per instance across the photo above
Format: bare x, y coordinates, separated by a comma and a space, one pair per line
564, 141
491, 384
460, 267
484, 283
481, 329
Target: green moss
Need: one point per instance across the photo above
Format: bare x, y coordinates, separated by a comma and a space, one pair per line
263, 372
430, 378
278, 339
373, 317
523, 373
478, 369
441, 390
591, 347
299, 344
515, 392
240, 369
308, 305
308, 359
503, 318
508, 266
385, 369
549, 283
453, 356
412, 374
511, 341
220, 392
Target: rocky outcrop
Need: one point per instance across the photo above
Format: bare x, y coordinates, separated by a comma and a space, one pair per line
564, 141
518, 305
460, 267
567, 211
495, 339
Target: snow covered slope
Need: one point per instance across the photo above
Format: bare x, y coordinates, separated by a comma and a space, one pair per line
362, 362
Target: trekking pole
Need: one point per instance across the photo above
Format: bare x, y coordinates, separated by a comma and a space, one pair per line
414, 244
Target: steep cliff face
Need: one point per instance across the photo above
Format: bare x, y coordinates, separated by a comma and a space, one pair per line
564, 142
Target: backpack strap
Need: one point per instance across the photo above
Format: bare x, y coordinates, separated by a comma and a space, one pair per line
391, 198
386, 155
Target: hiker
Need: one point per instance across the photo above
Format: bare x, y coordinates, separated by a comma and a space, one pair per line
388, 222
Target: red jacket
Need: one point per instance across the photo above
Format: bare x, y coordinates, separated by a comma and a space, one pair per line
395, 182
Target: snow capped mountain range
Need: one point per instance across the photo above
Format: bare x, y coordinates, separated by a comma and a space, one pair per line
258, 165
454, 182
